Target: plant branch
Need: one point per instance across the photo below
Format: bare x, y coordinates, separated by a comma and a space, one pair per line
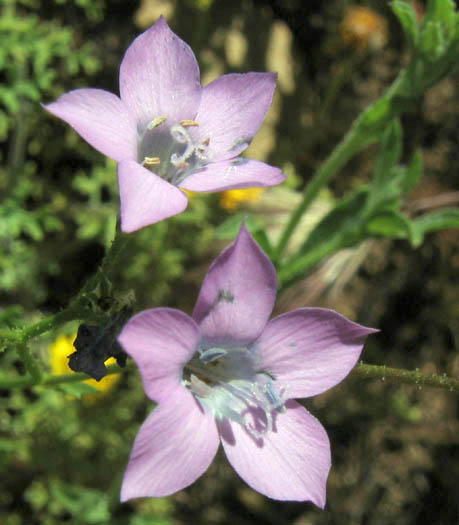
410, 377
51, 379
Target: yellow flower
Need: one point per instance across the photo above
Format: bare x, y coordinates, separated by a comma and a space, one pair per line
59, 352
232, 199
190, 194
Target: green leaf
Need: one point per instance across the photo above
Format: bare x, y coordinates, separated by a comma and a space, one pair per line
90, 506
433, 43
411, 174
376, 114
77, 389
443, 12
439, 220
407, 17
384, 187
389, 153
390, 224
264, 242
342, 221
340, 228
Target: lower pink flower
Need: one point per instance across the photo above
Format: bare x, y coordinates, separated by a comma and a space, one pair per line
229, 374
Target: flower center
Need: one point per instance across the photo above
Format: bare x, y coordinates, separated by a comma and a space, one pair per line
226, 382
170, 152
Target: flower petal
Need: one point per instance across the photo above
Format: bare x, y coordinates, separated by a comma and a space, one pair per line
238, 293
233, 174
232, 109
159, 76
309, 350
174, 446
145, 197
101, 119
161, 341
291, 462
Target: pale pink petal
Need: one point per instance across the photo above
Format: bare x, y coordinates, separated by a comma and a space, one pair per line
174, 446
233, 174
145, 197
232, 109
161, 341
309, 350
159, 76
238, 293
101, 119
291, 462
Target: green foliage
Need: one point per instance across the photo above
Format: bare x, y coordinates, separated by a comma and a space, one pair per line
37, 58
28, 54
61, 456
434, 43
371, 211
406, 15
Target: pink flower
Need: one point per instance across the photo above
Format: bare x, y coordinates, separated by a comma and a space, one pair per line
229, 374
166, 130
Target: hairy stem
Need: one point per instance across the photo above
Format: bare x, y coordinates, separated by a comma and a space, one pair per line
51, 379
410, 377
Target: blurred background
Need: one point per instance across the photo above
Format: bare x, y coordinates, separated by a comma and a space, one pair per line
62, 453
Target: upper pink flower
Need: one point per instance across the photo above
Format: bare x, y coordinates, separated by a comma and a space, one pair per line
166, 130
229, 374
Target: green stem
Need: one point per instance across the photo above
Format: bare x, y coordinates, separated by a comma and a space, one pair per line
51, 379
399, 375
303, 263
18, 336
365, 130
47, 324
338, 158
113, 253
31, 363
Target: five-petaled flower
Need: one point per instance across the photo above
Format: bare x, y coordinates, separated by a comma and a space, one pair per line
229, 374
167, 131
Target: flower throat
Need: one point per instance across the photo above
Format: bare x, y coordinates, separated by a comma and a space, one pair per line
225, 381
170, 152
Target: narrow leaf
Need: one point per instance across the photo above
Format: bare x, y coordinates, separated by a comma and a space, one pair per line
407, 17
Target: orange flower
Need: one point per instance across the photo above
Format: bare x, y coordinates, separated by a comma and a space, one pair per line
362, 28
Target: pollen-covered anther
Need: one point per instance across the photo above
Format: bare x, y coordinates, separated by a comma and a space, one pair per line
151, 161
156, 122
188, 123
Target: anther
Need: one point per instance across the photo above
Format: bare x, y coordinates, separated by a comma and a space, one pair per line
156, 122
151, 161
188, 123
